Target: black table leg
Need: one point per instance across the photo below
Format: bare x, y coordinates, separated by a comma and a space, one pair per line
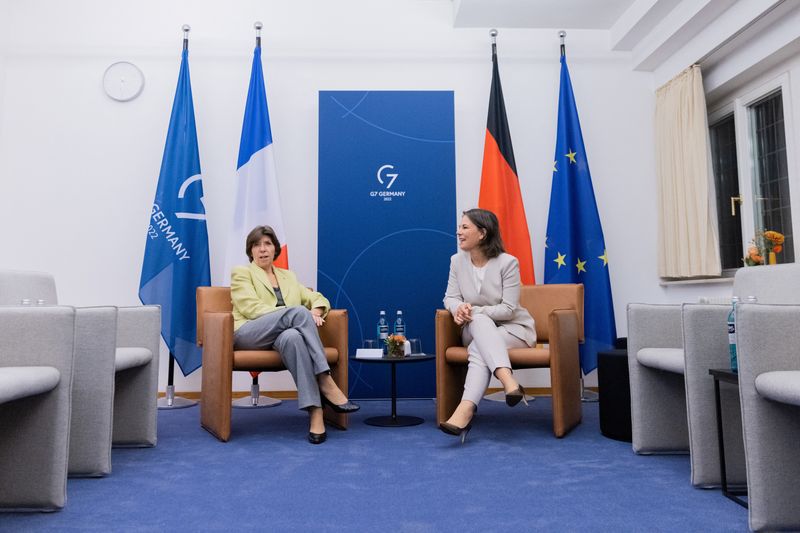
721, 442
394, 393
394, 420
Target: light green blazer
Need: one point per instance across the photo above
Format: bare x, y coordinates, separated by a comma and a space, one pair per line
252, 294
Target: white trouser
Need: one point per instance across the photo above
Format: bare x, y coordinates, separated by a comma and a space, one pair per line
487, 346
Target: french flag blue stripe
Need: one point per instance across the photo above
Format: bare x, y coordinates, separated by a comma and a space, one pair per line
256, 133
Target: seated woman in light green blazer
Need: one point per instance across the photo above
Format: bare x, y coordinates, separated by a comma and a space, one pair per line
272, 310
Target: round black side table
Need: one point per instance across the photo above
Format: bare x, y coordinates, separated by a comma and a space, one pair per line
615, 394
394, 420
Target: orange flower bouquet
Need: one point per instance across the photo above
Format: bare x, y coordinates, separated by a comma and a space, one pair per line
765, 245
395, 345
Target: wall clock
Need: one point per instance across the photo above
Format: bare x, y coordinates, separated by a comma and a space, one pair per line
123, 81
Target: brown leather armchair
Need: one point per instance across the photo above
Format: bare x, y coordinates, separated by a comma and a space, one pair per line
215, 335
557, 311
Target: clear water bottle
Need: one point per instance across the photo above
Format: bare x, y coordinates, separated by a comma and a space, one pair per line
732, 333
399, 325
383, 329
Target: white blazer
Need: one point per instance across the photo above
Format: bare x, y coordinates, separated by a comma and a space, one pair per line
498, 297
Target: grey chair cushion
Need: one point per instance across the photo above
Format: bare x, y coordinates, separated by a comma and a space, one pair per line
132, 357
669, 359
780, 386
22, 381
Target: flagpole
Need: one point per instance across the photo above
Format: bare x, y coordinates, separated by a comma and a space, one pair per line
587, 396
500, 396
256, 400
170, 401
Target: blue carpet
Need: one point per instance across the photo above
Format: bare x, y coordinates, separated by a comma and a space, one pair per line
512, 475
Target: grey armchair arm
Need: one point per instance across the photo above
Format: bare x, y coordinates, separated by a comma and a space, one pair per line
768, 339
36, 360
136, 382
93, 392
658, 397
705, 347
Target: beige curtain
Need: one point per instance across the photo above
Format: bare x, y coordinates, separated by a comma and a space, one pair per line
687, 220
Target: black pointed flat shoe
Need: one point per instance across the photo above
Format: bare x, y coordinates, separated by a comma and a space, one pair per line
346, 407
317, 438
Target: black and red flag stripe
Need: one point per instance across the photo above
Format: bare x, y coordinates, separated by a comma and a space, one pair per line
500, 191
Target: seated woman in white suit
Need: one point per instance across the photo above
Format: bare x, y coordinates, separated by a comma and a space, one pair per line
483, 297
271, 310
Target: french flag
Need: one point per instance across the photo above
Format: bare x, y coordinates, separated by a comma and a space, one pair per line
257, 198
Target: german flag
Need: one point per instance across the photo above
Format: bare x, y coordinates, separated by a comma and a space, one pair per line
500, 191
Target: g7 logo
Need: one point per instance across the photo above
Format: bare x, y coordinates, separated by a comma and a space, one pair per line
393, 176
182, 193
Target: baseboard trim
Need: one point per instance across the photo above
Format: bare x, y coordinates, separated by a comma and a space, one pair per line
292, 394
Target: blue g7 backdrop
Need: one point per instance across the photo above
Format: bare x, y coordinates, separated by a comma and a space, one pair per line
386, 220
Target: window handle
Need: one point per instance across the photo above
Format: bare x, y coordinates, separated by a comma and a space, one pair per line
734, 200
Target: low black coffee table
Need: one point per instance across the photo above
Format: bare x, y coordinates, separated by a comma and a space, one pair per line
725, 375
394, 420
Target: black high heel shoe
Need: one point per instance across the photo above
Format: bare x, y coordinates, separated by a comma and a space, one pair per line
317, 438
346, 407
514, 397
452, 429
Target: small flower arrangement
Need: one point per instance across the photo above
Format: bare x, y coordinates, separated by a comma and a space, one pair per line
395, 345
762, 246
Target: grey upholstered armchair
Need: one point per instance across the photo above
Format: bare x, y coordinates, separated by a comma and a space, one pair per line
769, 384
116, 373
36, 366
670, 350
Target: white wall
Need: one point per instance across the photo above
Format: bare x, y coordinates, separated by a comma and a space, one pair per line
78, 171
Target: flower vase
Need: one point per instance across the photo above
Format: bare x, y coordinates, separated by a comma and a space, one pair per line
396, 351
773, 260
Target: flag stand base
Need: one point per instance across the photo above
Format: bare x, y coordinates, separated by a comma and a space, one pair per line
500, 396
170, 401
255, 400
588, 396
262, 402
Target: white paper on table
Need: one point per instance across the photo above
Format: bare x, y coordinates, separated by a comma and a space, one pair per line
369, 353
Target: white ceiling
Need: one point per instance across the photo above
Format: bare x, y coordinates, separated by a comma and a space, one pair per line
555, 14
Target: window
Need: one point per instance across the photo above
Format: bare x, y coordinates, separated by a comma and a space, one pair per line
751, 172
726, 181
771, 181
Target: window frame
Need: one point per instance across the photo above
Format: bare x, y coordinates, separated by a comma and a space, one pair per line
715, 117
739, 105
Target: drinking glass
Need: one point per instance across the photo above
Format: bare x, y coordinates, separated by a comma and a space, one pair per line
416, 346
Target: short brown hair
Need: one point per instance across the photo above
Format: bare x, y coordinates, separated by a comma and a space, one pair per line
256, 234
492, 243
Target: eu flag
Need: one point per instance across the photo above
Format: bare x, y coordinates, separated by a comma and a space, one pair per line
176, 250
575, 251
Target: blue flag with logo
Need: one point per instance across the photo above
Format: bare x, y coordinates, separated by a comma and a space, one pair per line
176, 250
575, 251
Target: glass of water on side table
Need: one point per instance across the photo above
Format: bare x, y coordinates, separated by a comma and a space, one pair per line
416, 346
